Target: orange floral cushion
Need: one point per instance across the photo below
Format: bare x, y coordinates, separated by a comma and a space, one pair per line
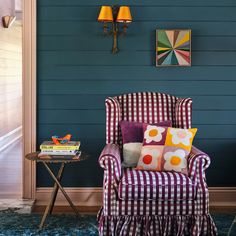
165, 148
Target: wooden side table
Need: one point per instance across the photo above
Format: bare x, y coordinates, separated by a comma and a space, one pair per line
63, 160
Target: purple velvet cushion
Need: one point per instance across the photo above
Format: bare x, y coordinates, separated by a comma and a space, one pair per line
132, 132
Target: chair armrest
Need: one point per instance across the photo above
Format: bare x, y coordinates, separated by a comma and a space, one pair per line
110, 161
113, 117
198, 162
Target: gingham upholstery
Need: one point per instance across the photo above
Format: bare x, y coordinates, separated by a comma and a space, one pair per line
178, 204
151, 185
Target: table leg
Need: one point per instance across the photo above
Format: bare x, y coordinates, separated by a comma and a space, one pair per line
61, 188
50, 205
55, 188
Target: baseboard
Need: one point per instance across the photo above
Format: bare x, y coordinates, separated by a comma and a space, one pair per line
224, 197
84, 197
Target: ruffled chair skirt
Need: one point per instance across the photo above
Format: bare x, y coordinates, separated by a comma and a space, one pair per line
191, 225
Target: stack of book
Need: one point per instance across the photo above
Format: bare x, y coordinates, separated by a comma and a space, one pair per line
69, 149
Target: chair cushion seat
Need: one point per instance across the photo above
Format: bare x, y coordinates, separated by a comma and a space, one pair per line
150, 185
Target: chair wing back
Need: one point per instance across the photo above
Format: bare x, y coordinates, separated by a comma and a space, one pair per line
146, 107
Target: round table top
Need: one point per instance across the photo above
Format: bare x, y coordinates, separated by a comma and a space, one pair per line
34, 156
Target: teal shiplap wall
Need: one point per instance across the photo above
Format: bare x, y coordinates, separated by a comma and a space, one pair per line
76, 72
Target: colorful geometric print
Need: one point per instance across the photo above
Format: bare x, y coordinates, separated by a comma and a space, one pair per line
173, 48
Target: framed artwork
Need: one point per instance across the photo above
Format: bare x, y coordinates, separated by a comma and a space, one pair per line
173, 47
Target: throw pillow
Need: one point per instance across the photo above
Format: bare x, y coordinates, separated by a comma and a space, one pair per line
132, 136
165, 148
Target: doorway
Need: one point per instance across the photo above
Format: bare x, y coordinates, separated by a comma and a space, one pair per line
11, 100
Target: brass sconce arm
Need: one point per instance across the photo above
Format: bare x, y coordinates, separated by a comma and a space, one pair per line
115, 34
125, 27
105, 29
115, 15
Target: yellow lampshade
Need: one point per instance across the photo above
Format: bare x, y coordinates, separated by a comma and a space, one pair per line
124, 15
105, 14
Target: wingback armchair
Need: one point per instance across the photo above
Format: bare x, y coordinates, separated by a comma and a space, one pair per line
137, 202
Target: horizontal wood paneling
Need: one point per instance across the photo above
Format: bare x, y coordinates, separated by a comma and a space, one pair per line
140, 58
10, 78
136, 29
86, 102
140, 13
84, 42
134, 73
66, 116
76, 72
171, 3
106, 87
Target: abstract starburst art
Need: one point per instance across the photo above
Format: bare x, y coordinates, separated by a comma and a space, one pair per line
173, 48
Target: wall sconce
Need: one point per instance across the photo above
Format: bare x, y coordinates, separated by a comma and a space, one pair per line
7, 21
115, 15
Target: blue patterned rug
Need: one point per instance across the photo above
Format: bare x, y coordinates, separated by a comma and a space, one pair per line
14, 224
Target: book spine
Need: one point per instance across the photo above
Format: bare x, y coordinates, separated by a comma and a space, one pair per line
48, 147
64, 156
59, 152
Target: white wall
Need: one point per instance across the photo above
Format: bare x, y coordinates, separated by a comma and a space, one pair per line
10, 72
18, 5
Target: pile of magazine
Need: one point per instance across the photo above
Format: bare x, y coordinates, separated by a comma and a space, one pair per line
71, 148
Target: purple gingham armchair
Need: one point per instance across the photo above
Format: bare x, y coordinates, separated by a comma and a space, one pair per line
139, 202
